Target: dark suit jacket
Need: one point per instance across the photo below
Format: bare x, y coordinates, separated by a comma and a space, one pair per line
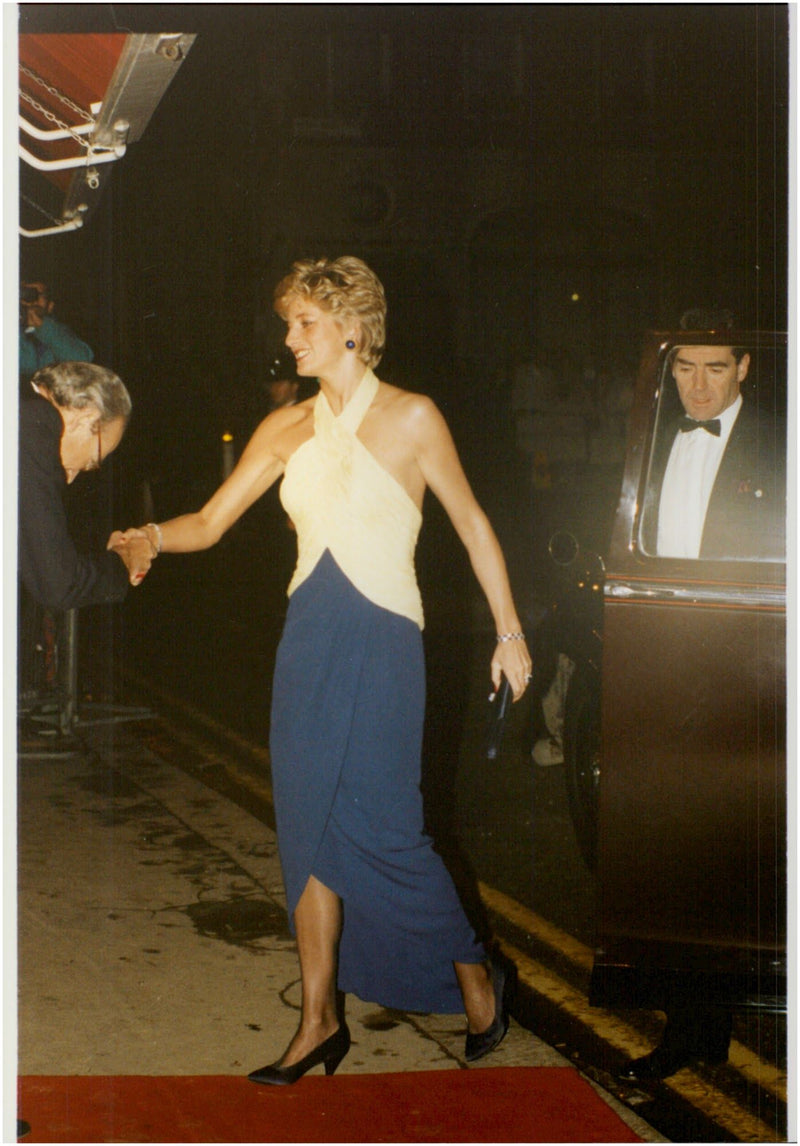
51, 568
746, 514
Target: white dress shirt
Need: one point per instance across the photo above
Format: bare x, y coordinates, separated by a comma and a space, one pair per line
688, 481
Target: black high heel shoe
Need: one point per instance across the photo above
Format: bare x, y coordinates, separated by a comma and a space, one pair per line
477, 1046
331, 1052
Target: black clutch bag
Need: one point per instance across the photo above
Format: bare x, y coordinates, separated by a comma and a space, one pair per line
499, 707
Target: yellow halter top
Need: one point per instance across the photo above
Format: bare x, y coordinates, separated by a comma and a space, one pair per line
341, 499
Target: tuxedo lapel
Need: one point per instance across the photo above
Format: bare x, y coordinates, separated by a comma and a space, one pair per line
738, 467
745, 511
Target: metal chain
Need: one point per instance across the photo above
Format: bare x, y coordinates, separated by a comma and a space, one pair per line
55, 92
51, 117
37, 207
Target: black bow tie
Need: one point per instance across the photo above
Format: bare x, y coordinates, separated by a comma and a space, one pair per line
713, 426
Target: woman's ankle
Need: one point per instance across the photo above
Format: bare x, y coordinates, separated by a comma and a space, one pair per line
318, 1027
477, 991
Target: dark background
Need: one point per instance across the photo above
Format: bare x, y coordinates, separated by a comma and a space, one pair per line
554, 179
488, 161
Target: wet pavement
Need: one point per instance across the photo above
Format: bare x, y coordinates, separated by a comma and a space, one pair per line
153, 937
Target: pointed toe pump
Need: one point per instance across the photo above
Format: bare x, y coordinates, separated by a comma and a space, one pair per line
330, 1052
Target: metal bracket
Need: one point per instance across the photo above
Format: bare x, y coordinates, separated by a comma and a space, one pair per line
89, 159
55, 133
68, 225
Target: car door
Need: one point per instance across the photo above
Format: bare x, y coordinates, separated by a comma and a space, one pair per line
691, 835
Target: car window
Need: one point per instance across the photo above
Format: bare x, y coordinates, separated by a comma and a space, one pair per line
745, 479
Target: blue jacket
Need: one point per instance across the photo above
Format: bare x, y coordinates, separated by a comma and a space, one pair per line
51, 342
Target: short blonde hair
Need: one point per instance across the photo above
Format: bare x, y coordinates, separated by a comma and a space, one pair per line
349, 290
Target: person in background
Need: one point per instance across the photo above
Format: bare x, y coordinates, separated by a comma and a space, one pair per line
282, 392
715, 489
372, 904
282, 386
43, 340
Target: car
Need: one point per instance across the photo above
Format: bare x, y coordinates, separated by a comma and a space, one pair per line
675, 720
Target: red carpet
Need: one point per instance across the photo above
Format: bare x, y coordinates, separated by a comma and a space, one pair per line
507, 1104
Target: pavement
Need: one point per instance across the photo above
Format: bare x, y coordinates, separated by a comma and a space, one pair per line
153, 937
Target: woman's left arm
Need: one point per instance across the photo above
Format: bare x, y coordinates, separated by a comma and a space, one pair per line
441, 468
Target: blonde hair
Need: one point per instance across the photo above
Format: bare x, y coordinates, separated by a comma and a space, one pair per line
349, 290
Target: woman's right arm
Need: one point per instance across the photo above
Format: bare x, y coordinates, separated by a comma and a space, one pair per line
257, 469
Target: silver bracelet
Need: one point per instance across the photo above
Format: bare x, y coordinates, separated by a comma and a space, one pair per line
159, 538
510, 637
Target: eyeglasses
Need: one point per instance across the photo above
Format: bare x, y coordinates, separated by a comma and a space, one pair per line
96, 463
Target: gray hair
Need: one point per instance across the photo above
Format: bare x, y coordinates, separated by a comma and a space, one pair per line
78, 385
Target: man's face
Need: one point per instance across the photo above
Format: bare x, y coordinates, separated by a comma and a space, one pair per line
281, 391
708, 379
85, 443
34, 311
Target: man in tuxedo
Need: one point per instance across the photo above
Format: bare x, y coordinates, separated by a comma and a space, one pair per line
716, 490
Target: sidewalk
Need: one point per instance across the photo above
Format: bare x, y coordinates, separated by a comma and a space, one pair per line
153, 938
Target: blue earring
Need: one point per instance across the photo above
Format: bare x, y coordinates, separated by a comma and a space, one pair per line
350, 344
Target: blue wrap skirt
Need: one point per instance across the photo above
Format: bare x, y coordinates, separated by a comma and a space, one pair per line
345, 742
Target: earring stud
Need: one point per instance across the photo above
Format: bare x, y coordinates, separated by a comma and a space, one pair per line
350, 344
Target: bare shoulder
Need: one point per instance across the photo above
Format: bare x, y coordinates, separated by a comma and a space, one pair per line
293, 415
282, 431
413, 412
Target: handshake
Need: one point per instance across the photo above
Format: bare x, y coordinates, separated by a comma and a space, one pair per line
137, 548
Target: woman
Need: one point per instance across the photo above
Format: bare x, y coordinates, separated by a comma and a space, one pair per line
370, 902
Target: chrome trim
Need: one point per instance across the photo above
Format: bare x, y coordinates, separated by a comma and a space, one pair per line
739, 596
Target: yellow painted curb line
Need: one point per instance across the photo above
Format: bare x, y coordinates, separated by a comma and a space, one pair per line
536, 976
749, 1064
688, 1085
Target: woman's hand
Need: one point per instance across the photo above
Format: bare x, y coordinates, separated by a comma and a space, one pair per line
134, 548
512, 661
